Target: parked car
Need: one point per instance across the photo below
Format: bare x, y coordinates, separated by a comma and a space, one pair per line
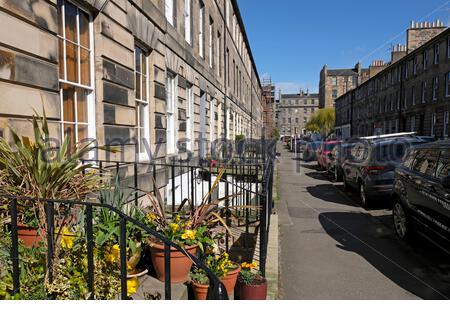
301, 144
323, 154
340, 152
370, 166
421, 194
309, 152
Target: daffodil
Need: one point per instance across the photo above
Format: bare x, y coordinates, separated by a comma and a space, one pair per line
150, 217
67, 238
132, 286
189, 235
174, 227
177, 218
113, 254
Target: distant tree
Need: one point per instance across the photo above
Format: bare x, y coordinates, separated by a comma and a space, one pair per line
275, 134
323, 121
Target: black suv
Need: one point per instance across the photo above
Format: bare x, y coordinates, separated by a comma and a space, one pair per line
421, 194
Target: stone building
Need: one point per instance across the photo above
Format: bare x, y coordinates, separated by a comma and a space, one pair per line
411, 93
294, 111
269, 105
336, 82
143, 74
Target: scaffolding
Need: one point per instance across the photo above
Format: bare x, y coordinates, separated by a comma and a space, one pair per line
268, 96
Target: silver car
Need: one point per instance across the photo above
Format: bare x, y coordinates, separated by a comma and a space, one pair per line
370, 166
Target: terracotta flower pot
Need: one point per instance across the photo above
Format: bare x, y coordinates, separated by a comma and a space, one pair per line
229, 281
180, 265
30, 236
253, 291
200, 290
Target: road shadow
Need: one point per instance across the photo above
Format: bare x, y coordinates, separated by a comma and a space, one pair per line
318, 175
312, 165
327, 193
376, 203
422, 269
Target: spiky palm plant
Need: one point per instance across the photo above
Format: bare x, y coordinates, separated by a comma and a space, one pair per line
39, 169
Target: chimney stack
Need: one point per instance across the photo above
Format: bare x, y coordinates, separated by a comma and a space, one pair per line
376, 67
421, 32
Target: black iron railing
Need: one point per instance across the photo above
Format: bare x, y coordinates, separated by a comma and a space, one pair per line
249, 183
216, 289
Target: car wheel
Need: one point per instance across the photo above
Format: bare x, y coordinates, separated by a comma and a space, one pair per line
363, 195
401, 224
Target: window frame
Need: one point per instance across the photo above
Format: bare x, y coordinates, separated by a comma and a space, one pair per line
141, 103
201, 30
90, 89
211, 43
188, 21
425, 59
448, 47
424, 92
170, 16
437, 48
433, 124
171, 112
190, 105
212, 119
435, 87
447, 84
446, 122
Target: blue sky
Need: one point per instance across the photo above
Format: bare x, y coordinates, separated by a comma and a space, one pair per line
291, 40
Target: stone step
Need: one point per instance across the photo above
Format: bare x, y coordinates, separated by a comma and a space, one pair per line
151, 288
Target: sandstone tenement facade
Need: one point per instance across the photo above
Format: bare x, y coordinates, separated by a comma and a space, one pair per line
169, 72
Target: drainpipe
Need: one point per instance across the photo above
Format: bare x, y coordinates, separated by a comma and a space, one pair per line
225, 72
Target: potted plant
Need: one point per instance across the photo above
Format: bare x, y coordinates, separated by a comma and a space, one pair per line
192, 228
225, 269
200, 284
39, 169
178, 230
252, 285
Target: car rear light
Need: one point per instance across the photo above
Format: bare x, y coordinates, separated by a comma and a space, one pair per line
374, 170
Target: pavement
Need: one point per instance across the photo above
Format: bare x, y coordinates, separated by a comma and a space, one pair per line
331, 248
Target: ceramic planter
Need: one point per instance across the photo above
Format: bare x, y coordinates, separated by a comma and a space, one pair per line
180, 265
253, 291
229, 281
200, 290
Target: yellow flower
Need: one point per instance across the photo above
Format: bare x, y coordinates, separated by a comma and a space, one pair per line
132, 286
67, 238
225, 255
113, 254
174, 227
150, 217
177, 218
249, 266
189, 234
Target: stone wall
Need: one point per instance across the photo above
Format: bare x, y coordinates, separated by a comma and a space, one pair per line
29, 66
